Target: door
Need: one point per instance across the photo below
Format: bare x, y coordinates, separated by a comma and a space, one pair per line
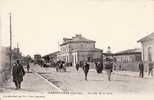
150, 54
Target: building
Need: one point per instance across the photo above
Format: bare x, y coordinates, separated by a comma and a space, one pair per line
37, 59
128, 59
78, 49
5, 68
131, 55
16, 54
147, 48
52, 57
4, 56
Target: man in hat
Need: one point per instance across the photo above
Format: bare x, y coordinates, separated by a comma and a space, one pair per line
28, 67
77, 66
18, 73
150, 69
86, 69
141, 68
108, 67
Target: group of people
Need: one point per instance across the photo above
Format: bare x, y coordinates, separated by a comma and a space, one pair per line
99, 67
18, 71
61, 66
108, 66
141, 69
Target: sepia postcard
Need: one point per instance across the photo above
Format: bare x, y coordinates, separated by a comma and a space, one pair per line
76, 49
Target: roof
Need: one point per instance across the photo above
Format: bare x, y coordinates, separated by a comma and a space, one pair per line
76, 39
91, 50
51, 54
148, 37
107, 54
129, 51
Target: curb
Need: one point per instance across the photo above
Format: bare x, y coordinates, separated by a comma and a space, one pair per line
59, 90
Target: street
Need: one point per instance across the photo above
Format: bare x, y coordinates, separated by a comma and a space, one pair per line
122, 82
47, 80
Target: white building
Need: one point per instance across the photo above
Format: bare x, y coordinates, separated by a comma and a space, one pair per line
77, 49
147, 48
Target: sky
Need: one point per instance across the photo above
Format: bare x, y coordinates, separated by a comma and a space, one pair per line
38, 25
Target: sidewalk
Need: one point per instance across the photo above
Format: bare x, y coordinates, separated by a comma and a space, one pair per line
31, 84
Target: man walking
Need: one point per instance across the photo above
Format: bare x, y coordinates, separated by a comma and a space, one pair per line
77, 66
99, 67
108, 68
28, 67
141, 68
86, 69
18, 73
150, 69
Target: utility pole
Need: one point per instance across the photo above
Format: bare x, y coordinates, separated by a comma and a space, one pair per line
10, 41
58, 45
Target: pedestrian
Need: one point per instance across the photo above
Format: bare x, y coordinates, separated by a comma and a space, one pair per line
120, 67
141, 69
150, 69
64, 66
60, 66
57, 66
99, 67
86, 69
28, 67
18, 73
108, 68
96, 66
77, 66
115, 67
42, 63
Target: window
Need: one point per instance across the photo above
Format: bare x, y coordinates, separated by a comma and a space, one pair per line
81, 45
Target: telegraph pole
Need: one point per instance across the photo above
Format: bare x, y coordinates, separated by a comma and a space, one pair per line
58, 45
10, 40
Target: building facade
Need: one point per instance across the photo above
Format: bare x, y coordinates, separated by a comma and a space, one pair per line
128, 59
147, 48
77, 49
131, 55
52, 57
5, 68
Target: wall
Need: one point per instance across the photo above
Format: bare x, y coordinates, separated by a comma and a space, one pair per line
79, 45
82, 46
66, 50
5, 73
83, 56
128, 62
129, 66
146, 45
